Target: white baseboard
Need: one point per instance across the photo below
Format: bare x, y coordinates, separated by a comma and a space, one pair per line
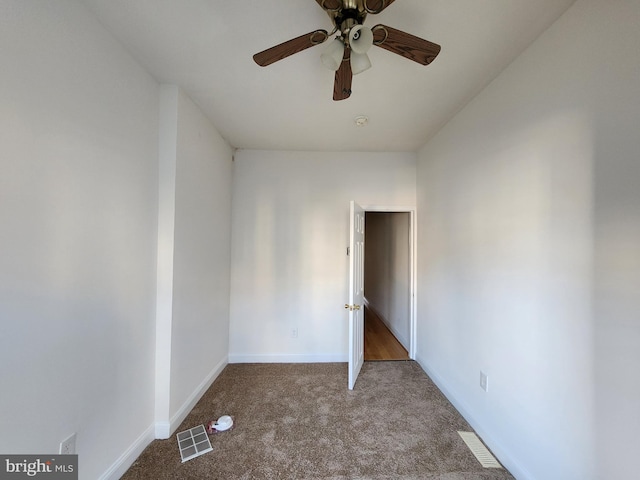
288, 358
496, 447
122, 464
162, 430
165, 429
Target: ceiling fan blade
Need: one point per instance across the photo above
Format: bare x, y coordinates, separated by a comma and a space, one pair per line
402, 43
330, 5
295, 45
376, 6
342, 84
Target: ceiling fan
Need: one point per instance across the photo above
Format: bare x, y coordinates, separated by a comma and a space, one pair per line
346, 54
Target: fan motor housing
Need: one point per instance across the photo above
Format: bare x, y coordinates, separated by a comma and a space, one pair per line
352, 13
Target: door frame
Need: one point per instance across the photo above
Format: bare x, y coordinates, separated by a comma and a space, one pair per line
413, 265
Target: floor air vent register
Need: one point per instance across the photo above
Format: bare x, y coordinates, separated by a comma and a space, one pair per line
479, 450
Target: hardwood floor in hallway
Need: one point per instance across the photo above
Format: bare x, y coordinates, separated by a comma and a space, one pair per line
379, 342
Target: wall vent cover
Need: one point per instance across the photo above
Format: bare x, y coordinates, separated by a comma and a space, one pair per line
193, 443
479, 450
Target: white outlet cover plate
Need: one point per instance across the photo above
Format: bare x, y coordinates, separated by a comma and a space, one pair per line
484, 381
68, 445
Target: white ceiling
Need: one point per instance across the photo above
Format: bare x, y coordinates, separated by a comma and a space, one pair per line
206, 47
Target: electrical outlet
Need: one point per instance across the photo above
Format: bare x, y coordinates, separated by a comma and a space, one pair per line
68, 445
294, 332
484, 381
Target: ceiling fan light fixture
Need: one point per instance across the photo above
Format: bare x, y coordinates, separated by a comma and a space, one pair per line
333, 54
347, 45
359, 62
360, 39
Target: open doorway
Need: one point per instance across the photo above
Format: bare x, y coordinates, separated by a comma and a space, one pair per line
388, 285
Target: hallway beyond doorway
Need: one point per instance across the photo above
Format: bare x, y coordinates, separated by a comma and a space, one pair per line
379, 342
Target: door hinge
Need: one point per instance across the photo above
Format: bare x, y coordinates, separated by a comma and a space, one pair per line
348, 251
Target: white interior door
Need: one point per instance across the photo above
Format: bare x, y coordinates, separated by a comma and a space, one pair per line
356, 292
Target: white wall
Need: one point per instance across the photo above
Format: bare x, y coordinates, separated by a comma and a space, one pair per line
202, 251
290, 223
387, 273
194, 249
529, 251
78, 200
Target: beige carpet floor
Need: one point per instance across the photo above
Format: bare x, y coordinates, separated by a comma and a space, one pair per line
299, 421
